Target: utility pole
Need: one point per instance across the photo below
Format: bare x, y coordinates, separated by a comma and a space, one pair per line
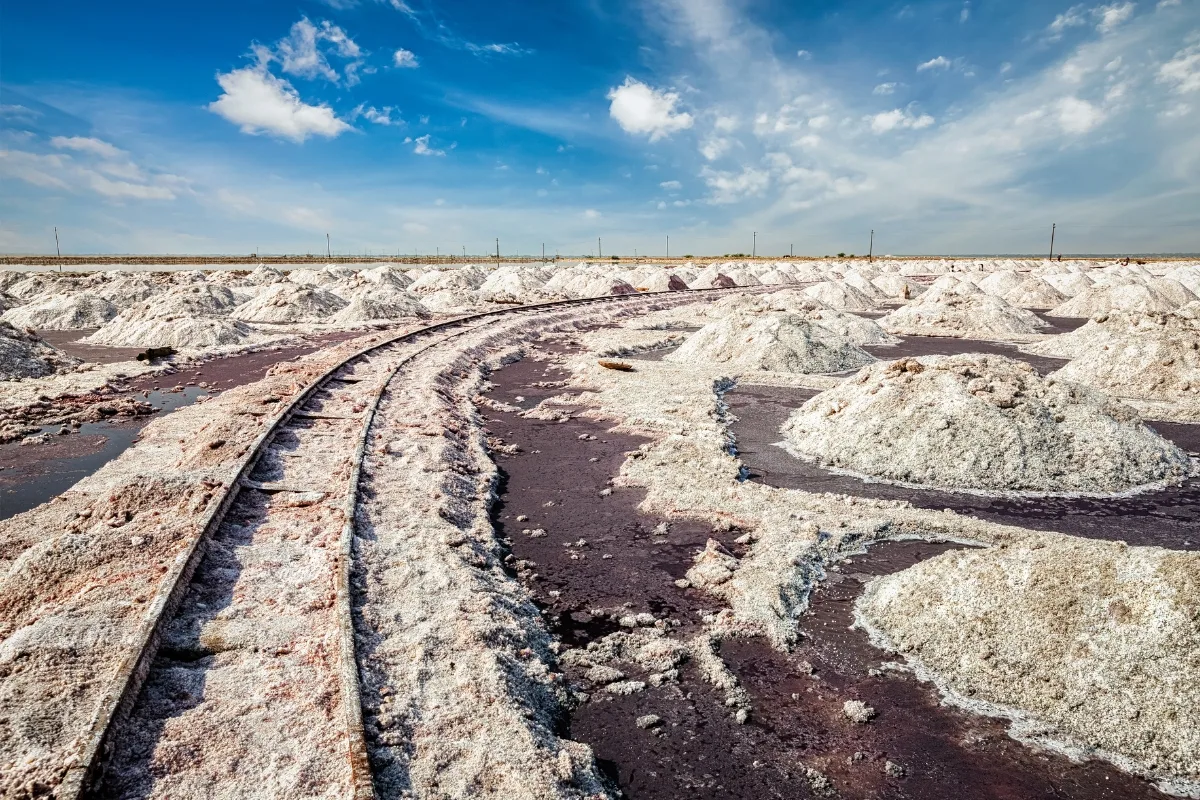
1053, 225
328, 252
497, 251
464, 252
668, 246
871, 251
543, 252
754, 246
57, 247
599, 248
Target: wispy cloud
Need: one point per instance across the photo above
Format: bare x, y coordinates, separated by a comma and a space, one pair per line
433, 28
936, 64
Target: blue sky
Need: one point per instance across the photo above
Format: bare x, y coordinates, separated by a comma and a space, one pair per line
408, 125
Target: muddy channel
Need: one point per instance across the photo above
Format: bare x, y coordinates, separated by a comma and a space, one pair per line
797, 741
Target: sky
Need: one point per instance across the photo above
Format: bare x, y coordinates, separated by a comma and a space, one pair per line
586, 126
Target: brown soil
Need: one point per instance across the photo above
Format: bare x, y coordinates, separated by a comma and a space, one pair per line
797, 722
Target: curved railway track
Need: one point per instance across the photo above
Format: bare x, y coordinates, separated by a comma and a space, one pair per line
341, 402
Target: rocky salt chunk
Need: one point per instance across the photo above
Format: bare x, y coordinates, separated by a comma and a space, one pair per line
858, 711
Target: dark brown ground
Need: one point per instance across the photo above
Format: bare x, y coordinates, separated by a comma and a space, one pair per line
797, 720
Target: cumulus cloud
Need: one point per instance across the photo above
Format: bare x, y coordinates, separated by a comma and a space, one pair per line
84, 144
730, 187
260, 103
884, 88
671, 186
938, 63
1183, 71
714, 148
405, 58
898, 119
1078, 116
591, 213
641, 109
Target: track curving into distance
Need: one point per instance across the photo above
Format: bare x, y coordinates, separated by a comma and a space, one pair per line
341, 403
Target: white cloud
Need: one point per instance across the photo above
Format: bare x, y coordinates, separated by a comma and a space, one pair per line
1111, 16
591, 213
421, 147
820, 122
1078, 116
726, 124
938, 63
730, 187
14, 111
641, 109
405, 58
378, 116
671, 186
1073, 17
300, 53
714, 148
55, 171
661, 205
804, 54
258, 102
1182, 71
83, 144
965, 14
885, 88
898, 119
1168, 4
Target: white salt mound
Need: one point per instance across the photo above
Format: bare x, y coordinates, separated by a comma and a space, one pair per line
24, 355
967, 316
857, 330
1042, 626
1144, 356
981, 422
774, 342
183, 333
380, 305
1125, 297
288, 302
838, 295
1034, 292
71, 312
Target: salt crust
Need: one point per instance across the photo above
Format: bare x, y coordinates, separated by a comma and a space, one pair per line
995, 424
25, 355
969, 316
687, 470
775, 342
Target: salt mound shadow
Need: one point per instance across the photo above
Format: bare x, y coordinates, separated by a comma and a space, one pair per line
981, 422
773, 342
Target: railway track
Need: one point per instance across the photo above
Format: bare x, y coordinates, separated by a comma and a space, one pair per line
274, 557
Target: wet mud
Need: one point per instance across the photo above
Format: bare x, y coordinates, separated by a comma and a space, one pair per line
1166, 518
797, 742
